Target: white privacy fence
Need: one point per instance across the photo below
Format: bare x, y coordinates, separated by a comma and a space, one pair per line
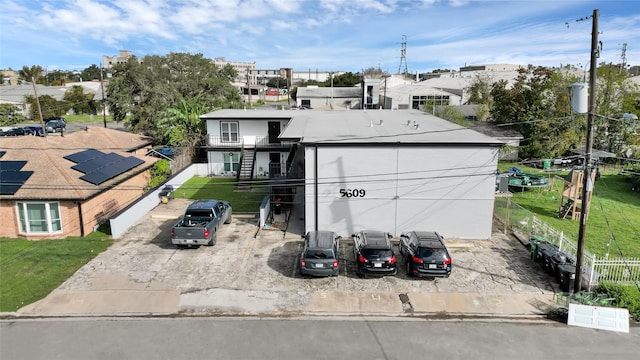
525, 223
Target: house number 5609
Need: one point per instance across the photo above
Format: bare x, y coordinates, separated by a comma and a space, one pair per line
352, 193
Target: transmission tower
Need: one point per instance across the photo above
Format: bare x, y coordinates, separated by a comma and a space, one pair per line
623, 58
403, 57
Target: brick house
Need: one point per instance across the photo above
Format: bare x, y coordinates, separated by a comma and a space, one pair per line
58, 186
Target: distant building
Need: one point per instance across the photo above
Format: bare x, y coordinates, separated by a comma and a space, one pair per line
109, 61
244, 69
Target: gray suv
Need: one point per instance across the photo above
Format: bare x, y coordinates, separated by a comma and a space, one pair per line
319, 255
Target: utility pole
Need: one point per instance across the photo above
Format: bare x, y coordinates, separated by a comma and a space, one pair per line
587, 184
104, 109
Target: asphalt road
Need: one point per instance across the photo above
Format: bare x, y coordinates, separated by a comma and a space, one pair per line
241, 338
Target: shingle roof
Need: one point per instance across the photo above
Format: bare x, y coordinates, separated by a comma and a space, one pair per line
53, 178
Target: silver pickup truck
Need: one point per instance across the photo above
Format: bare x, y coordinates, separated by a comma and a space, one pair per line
200, 223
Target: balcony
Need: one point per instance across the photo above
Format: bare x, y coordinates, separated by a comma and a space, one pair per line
245, 142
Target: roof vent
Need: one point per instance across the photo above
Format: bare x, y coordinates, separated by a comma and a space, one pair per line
408, 122
381, 121
416, 126
370, 123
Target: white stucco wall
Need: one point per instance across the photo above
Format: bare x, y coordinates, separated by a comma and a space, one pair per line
248, 129
448, 189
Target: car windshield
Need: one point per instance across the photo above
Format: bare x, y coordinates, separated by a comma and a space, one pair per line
377, 253
431, 253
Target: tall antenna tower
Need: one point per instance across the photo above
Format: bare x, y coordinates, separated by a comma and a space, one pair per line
403, 57
623, 58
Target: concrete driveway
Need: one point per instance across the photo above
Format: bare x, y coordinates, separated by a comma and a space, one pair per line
254, 271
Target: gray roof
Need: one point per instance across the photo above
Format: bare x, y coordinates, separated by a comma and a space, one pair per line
15, 93
326, 92
362, 126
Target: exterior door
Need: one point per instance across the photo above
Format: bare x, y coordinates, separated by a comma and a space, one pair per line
274, 131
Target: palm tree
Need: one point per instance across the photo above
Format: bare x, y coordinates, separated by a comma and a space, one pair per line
182, 126
32, 74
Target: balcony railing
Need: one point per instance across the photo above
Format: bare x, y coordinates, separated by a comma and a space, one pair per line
247, 142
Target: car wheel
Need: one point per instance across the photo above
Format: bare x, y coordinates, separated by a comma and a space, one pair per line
408, 268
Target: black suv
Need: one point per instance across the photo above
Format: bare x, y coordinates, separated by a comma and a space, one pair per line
373, 253
56, 124
425, 254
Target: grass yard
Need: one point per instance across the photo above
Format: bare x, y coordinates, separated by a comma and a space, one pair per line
198, 188
87, 118
615, 209
30, 270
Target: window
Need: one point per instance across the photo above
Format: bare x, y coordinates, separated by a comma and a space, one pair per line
231, 161
38, 218
229, 131
419, 102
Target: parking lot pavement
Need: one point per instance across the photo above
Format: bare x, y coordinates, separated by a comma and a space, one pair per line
252, 271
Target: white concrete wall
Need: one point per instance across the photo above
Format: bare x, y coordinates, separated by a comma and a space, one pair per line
126, 218
448, 189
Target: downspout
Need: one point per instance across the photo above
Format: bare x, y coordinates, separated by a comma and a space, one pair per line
315, 164
80, 219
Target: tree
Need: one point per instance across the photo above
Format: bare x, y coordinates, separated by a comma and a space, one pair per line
49, 106
614, 96
374, 73
480, 91
31, 74
90, 73
538, 106
80, 102
10, 114
278, 82
347, 79
143, 92
182, 125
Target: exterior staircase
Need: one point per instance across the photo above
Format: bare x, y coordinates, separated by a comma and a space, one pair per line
245, 170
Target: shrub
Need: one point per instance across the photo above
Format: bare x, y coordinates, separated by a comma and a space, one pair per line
626, 296
159, 173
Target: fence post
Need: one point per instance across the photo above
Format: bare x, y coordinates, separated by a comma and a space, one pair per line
506, 216
593, 271
560, 241
533, 221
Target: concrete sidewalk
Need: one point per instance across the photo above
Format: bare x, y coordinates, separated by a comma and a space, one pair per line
229, 302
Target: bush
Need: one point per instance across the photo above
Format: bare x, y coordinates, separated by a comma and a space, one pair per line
159, 173
627, 296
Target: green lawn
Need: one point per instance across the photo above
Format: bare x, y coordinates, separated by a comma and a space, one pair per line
87, 118
223, 189
30, 270
615, 209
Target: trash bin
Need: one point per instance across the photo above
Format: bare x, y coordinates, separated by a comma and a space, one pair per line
557, 259
567, 277
534, 243
543, 249
546, 164
545, 259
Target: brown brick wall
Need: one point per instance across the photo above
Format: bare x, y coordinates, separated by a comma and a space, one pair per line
95, 210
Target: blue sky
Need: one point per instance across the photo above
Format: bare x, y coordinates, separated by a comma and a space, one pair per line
331, 35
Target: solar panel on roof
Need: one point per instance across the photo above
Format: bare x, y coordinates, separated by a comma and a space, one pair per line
96, 177
84, 155
11, 165
12, 180
111, 169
